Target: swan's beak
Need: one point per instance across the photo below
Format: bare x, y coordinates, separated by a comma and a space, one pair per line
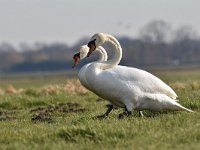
76, 59
92, 47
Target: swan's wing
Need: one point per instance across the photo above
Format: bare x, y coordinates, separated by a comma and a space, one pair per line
141, 79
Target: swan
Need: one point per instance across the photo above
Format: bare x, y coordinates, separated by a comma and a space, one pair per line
81, 75
127, 87
81, 54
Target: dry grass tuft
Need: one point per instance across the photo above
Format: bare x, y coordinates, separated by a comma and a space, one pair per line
51, 89
12, 90
75, 87
71, 87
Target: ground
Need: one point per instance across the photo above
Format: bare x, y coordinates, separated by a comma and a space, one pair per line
56, 112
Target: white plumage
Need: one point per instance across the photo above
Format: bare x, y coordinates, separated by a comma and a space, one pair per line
131, 88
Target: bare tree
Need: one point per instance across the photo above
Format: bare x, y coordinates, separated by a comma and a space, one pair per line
156, 31
7, 47
185, 33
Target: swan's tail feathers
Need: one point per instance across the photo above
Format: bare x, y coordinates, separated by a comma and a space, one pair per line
175, 105
164, 102
183, 108
189, 110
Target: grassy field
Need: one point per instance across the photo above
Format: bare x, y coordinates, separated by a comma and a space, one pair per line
56, 112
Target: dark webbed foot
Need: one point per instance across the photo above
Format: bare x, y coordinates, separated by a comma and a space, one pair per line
125, 113
104, 116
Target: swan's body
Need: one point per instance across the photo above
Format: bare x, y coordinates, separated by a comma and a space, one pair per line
148, 92
123, 86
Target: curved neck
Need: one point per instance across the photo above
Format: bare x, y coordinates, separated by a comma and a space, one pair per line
102, 54
114, 61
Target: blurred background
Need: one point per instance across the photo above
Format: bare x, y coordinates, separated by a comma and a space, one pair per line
42, 36
44, 106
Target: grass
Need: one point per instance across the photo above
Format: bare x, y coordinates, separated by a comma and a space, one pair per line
60, 114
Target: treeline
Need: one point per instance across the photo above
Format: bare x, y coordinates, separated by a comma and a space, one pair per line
158, 46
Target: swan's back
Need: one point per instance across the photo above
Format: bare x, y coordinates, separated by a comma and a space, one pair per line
141, 79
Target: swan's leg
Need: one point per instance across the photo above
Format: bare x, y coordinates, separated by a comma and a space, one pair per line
128, 113
125, 113
106, 113
141, 114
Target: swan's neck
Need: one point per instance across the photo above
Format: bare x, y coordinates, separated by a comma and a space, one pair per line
102, 54
117, 53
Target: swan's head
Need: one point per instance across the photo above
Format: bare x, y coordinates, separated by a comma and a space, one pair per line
97, 40
83, 51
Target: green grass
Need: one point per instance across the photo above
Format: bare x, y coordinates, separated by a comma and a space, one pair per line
67, 121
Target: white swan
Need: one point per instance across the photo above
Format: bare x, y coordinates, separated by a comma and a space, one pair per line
127, 87
83, 51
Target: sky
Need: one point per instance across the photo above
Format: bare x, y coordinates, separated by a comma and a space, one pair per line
67, 21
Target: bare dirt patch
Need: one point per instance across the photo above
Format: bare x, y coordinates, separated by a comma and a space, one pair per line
44, 114
42, 117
